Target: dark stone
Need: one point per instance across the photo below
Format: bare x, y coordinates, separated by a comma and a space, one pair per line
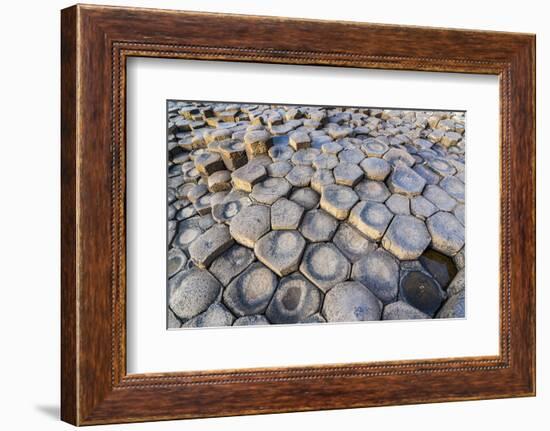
422, 292
440, 266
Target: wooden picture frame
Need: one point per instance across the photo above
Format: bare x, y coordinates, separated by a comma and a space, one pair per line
95, 43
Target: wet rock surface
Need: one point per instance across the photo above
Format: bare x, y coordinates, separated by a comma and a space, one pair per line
297, 214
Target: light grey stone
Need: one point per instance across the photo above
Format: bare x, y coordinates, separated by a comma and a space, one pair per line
460, 213
305, 197
294, 301
191, 292
202, 205
315, 318
370, 218
454, 187
172, 320
395, 155
280, 250
176, 261
338, 200
286, 215
223, 212
231, 263
454, 307
325, 161
187, 233
280, 153
300, 176
439, 197
254, 320
447, 233
347, 174
374, 148
247, 176
352, 243
405, 181
215, 316
400, 310
351, 155
279, 169
339, 132
457, 284
219, 181
369, 190
375, 168
305, 156
422, 207
324, 265
441, 166
250, 292
379, 271
321, 178
233, 154
250, 224
299, 140
331, 148
398, 204
450, 138
351, 302
257, 142
208, 162
406, 237
198, 191
318, 226
210, 245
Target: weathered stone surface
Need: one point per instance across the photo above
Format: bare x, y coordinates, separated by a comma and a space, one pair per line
280, 250
233, 154
279, 169
398, 204
379, 271
454, 187
306, 198
300, 176
294, 301
339, 132
318, 226
197, 192
439, 197
422, 292
250, 224
324, 265
219, 181
190, 292
375, 168
442, 167
352, 243
280, 153
202, 205
305, 156
406, 237
400, 310
450, 138
188, 231
370, 218
251, 292
454, 307
351, 302
351, 155
331, 148
172, 321
207, 163
374, 148
257, 142
460, 213
369, 190
176, 261
405, 181
396, 155
458, 283
441, 267
286, 215
299, 140
224, 211
422, 207
210, 245
254, 320
268, 191
315, 318
447, 233
347, 174
321, 178
231, 263
247, 176
338, 200
216, 315
325, 161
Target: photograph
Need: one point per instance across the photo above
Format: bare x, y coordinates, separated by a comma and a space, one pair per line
300, 214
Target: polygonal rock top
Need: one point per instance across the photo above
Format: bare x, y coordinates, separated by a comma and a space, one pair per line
324, 265
338, 200
405, 181
406, 237
280, 250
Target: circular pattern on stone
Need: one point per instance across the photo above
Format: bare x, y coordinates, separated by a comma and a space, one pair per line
324, 265
351, 302
406, 237
422, 292
318, 226
379, 271
280, 250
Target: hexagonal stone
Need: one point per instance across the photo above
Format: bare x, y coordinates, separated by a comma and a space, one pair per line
370, 218
351, 155
230, 206
305, 197
441, 166
279, 169
280, 153
331, 148
351, 302
300, 176
246, 176
294, 301
450, 138
398, 204
172, 320
268, 191
352, 243
375, 168
454, 307
429, 176
439, 197
369, 190
210, 245
190, 292
324, 265
280, 250
231, 263
207, 163
250, 224
400, 310
405, 181
254, 320
395, 155
460, 213
305, 157
339, 132
263, 160
421, 291
347, 174
250, 292
286, 215
203, 206
318, 226
325, 161
454, 187
299, 140
176, 261
233, 154
441, 267
219, 181
321, 178
338, 200
406, 237
257, 142
457, 284
422, 207
435, 136
379, 271
216, 315
374, 148
447, 233
198, 191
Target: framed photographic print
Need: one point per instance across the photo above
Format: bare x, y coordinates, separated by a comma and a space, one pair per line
326, 221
